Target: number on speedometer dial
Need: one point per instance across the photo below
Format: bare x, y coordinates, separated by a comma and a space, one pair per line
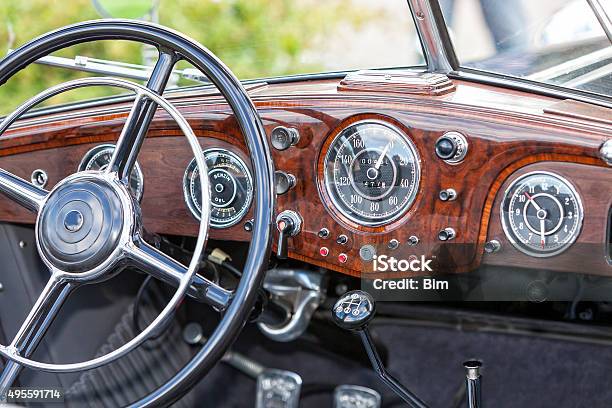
372, 173
541, 214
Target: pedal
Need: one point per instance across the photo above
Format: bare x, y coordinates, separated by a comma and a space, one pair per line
354, 396
278, 389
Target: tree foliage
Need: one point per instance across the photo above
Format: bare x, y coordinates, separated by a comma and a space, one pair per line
255, 38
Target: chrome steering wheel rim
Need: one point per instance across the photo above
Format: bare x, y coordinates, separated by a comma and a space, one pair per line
172, 44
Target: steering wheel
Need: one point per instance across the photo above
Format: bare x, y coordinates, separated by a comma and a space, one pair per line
89, 227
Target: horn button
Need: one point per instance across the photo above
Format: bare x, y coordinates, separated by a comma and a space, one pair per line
80, 225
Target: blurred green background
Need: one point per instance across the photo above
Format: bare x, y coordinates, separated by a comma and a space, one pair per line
255, 38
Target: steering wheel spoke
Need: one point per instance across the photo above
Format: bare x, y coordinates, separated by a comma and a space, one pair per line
22, 192
163, 267
34, 327
140, 117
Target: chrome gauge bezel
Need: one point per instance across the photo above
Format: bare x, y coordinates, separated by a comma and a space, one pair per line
188, 189
96, 151
510, 235
329, 185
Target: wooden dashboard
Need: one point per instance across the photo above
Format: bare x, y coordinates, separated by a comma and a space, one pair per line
509, 133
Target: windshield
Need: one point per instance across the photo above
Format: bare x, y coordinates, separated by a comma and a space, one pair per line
255, 38
559, 42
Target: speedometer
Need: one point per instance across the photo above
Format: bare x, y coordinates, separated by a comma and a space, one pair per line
541, 214
372, 172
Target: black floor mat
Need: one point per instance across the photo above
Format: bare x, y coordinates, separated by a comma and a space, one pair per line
519, 371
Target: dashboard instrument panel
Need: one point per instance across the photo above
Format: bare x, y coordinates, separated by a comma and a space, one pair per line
371, 172
541, 214
349, 131
231, 187
98, 159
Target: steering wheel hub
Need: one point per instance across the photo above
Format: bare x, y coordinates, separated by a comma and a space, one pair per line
80, 224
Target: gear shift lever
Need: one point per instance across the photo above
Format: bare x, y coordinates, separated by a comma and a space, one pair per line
353, 311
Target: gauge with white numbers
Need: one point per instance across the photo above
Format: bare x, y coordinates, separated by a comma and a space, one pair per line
99, 158
231, 188
372, 172
541, 214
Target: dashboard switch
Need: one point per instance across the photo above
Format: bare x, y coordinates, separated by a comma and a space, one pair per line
283, 137
284, 182
39, 178
289, 224
342, 239
446, 234
393, 244
342, 258
323, 233
492, 246
452, 147
413, 240
367, 252
448, 194
323, 251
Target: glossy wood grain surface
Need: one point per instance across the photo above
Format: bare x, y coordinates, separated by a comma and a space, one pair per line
507, 130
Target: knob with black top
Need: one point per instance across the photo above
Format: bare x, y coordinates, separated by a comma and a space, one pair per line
283, 137
451, 147
446, 148
342, 239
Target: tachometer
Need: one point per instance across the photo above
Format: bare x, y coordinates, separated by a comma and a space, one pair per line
541, 214
99, 158
372, 172
231, 188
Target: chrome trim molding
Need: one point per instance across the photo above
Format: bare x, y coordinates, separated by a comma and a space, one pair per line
435, 41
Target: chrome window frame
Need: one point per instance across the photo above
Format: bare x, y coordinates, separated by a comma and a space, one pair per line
440, 57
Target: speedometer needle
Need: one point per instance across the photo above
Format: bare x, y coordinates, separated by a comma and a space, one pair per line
382, 156
542, 231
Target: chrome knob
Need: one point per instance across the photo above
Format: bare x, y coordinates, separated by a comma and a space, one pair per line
283, 137
446, 234
448, 194
452, 147
605, 152
492, 246
284, 182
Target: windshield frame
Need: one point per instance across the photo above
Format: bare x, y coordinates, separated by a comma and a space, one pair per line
440, 56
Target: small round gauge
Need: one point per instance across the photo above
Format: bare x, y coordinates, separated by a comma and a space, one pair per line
541, 214
371, 172
231, 188
99, 158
